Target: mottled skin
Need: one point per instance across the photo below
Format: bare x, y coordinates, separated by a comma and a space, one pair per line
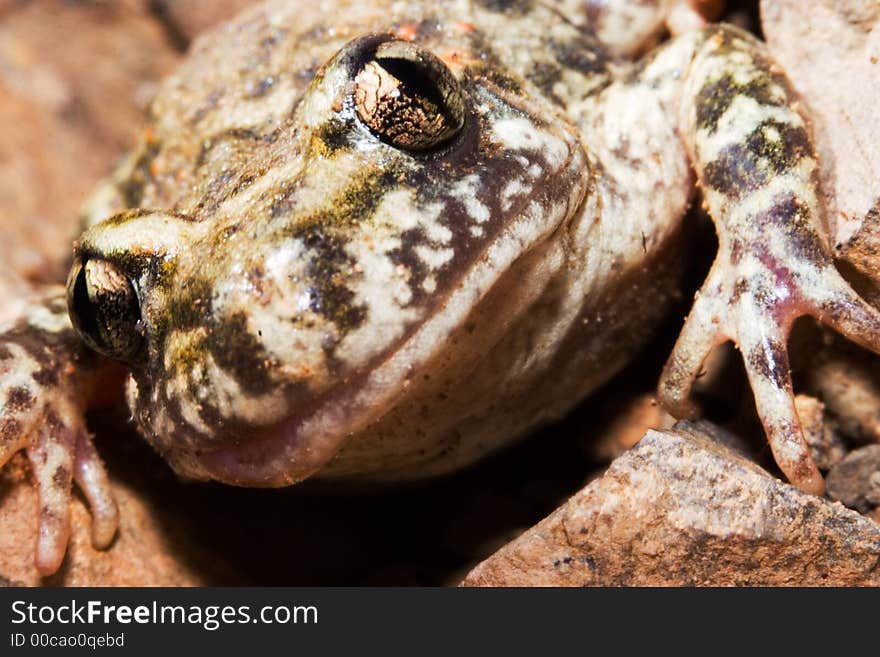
299, 286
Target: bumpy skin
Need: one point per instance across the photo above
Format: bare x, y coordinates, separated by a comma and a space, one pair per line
296, 295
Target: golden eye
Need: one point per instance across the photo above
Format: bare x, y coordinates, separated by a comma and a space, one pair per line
105, 309
409, 98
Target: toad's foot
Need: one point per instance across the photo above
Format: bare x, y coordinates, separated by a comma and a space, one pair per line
758, 171
45, 377
754, 303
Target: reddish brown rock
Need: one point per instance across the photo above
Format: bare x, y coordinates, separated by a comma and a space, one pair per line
830, 49
630, 419
681, 508
146, 551
189, 17
847, 380
74, 81
826, 446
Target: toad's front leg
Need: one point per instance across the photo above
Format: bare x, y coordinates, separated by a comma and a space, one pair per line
757, 167
46, 380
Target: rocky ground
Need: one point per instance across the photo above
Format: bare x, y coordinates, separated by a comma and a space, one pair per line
689, 505
685, 507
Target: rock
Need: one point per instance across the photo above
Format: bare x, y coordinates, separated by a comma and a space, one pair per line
682, 508
74, 81
855, 481
145, 552
189, 17
826, 445
630, 420
829, 49
846, 378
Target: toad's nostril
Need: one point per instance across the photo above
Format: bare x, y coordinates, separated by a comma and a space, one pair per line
105, 309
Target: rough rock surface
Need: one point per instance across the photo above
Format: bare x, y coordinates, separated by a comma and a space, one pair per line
830, 50
145, 552
682, 508
74, 81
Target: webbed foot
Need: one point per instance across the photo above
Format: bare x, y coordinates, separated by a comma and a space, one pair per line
756, 311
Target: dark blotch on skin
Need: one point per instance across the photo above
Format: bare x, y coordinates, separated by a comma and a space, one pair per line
742, 168
10, 429
736, 251
793, 143
125, 216
241, 354
51, 351
189, 307
490, 73
43, 346
335, 134
739, 288
262, 87
488, 64
716, 97
583, 55
210, 104
231, 181
326, 234
772, 365
231, 135
835, 310
545, 75
57, 306
61, 477
19, 398
327, 270
792, 216
283, 198
512, 7
405, 255
47, 376
54, 423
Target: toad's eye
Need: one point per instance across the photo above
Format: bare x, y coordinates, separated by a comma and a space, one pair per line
408, 98
105, 309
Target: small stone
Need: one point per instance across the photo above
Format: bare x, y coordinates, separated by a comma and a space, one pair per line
826, 446
848, 383
627, 427
682, 508
855, 481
